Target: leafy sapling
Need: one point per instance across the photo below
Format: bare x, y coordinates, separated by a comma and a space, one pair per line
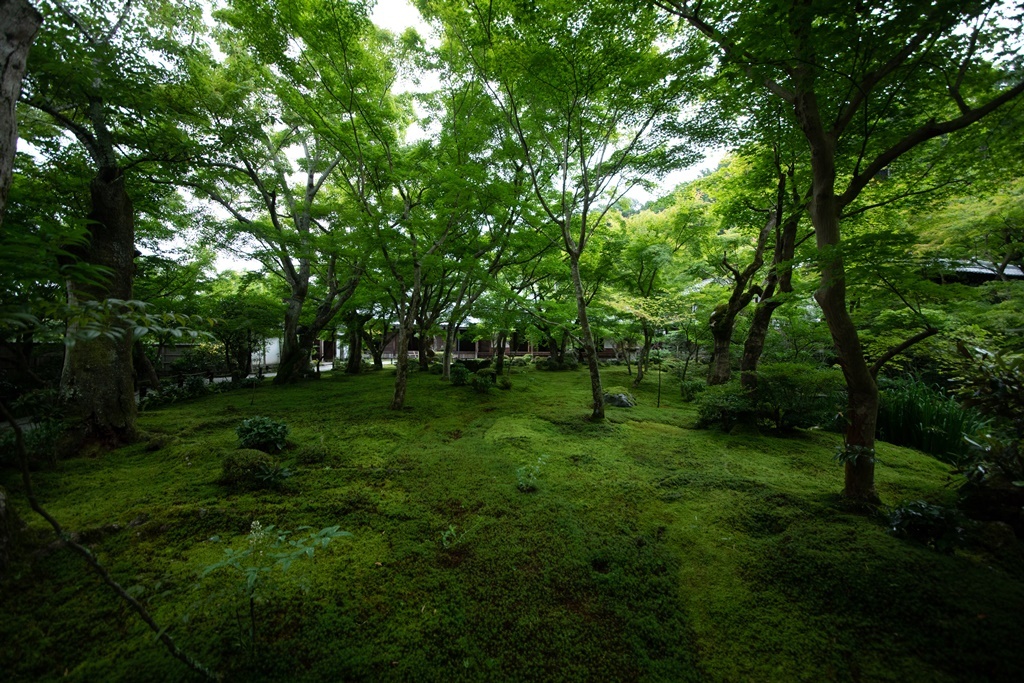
526, 475
267, 549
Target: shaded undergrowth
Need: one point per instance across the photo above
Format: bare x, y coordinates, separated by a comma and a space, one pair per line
647, 551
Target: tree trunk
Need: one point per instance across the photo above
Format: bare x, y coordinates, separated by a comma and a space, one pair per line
645, 352
721, 359
499, 358
354, 363
753, 346
19, 22
862, 407
10, 529
589, 350
294, 353
401, 369
97, 380
144, 367
449, 349
426, 344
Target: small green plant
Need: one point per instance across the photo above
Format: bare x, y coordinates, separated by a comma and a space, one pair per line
852, 454
268, 549
527, 475
460, 375
504, 383
451, 537
933, 525
263, 434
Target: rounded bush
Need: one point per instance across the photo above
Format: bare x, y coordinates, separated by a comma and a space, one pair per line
504, 383
246, 468
263, 434
481, 383
460, 375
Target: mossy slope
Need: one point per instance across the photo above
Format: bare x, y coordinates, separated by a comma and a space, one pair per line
650, 551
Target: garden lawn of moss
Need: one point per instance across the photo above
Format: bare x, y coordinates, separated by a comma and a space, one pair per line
648, 551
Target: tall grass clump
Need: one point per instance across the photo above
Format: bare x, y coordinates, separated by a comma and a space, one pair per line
915, 414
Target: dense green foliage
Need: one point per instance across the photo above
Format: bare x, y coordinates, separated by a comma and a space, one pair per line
648, 551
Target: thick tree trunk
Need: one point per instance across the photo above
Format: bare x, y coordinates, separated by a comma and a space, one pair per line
97, 380
354, 363
721, 360
294, 353
589, 349
19, 22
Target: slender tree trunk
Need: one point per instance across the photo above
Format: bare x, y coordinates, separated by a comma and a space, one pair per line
19, 22
144, 367
753, 346
589, 349
401, 369
499, 358
862, 408
294, 354
645, 352
97, 380
426, 344
449, 349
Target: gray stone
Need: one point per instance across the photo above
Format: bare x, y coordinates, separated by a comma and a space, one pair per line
619, 400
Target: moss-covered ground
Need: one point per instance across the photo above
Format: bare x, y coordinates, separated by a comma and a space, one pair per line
649, 551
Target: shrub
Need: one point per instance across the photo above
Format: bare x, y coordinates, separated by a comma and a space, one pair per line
263, 434
724, 405
200, 358
791, 395
489, 373
249, 468
460, 375
504, 383
436, 369
994, 385
41, 441
691, 388
933, 525
570, 364
477, 364
917, 415
481, 383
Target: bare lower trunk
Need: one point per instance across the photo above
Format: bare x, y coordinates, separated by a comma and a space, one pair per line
97, 380
862, 407
144, 368
645, 353
721, 360
589, 349
354, 363
449, 349
18, 25
753, 346
401, 370
499, 358
10, 531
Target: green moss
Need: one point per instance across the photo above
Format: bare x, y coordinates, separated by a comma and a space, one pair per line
650, 551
